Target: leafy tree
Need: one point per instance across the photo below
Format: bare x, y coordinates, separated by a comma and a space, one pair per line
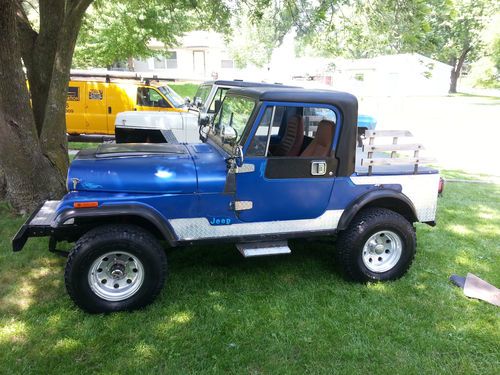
448, 30
259, 26
456, 31
495, 55
117, 31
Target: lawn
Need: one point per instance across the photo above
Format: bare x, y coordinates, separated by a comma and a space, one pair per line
294, 314
184, 89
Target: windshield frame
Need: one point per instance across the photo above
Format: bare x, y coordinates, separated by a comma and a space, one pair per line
172, 97
214, 133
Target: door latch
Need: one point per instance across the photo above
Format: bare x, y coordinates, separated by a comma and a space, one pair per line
318, 168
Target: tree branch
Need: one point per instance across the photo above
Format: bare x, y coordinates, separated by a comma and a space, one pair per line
27, 35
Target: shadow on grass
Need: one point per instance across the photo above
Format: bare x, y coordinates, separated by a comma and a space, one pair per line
222, 313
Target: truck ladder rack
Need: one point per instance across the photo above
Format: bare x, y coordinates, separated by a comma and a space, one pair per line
394, 159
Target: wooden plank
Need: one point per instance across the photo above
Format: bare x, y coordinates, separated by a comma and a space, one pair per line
395, 161
397, 147
388, 133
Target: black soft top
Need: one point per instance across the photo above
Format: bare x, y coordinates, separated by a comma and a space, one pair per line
296, 94
240, 83
346, 103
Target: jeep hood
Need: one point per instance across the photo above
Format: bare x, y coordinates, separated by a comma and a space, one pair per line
137, 168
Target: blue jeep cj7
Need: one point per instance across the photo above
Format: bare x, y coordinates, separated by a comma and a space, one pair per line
275, 164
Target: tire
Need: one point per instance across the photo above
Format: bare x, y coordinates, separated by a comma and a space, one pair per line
115, 268
378, 245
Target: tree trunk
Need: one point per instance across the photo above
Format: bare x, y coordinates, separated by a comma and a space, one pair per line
453, 81
130, 64
53, 135
28, 175
457, 69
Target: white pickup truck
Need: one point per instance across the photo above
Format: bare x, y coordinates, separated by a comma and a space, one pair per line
177, 127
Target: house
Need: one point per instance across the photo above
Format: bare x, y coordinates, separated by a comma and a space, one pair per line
388, 75
203, 55
200, 55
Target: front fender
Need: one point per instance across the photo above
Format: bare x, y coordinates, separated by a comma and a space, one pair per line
120, 210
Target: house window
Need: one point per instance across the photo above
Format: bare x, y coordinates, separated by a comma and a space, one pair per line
226, 64
159, 62
171, 59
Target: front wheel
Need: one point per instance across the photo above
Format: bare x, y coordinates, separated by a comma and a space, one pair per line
115, 268
378, 245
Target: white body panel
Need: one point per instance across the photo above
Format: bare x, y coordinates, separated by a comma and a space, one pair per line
183, 125
421, 189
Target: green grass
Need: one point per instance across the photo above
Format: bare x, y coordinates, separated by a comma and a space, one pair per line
184, 89
467, 95
221, 313
462, 176
82, 145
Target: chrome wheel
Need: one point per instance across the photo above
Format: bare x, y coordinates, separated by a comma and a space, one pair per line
382, 251
116, 276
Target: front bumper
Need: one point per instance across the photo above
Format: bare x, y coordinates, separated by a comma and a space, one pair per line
39, 224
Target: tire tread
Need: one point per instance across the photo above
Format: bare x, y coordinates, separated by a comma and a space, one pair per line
347, 242
114, 230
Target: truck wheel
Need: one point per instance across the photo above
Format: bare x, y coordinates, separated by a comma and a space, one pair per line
115, 268
378, 245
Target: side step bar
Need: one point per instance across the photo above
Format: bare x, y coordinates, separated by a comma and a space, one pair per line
255, 249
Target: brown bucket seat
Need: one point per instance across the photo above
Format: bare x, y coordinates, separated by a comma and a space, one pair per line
321, 145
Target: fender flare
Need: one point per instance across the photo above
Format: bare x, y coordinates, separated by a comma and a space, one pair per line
144, 212
364, 200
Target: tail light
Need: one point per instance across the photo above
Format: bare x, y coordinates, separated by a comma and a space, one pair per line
441, 186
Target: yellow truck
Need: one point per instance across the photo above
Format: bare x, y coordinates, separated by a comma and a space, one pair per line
93, 101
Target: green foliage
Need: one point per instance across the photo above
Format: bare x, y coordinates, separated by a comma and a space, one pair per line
495, 55
456, 29
115, 31
258, 27
490, 77
221, 313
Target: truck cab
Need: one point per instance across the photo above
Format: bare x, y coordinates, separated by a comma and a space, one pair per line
274, 164
93, 102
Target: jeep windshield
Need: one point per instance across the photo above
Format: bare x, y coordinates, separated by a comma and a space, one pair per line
231, 120
172, 96
202, 94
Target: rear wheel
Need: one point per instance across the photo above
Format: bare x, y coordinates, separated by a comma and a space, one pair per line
379, 244
114, 268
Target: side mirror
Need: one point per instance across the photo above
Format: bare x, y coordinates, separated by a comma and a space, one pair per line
187, 100
204, 121
229, 135
218, 104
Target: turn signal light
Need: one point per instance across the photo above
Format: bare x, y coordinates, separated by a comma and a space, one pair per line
85, 204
